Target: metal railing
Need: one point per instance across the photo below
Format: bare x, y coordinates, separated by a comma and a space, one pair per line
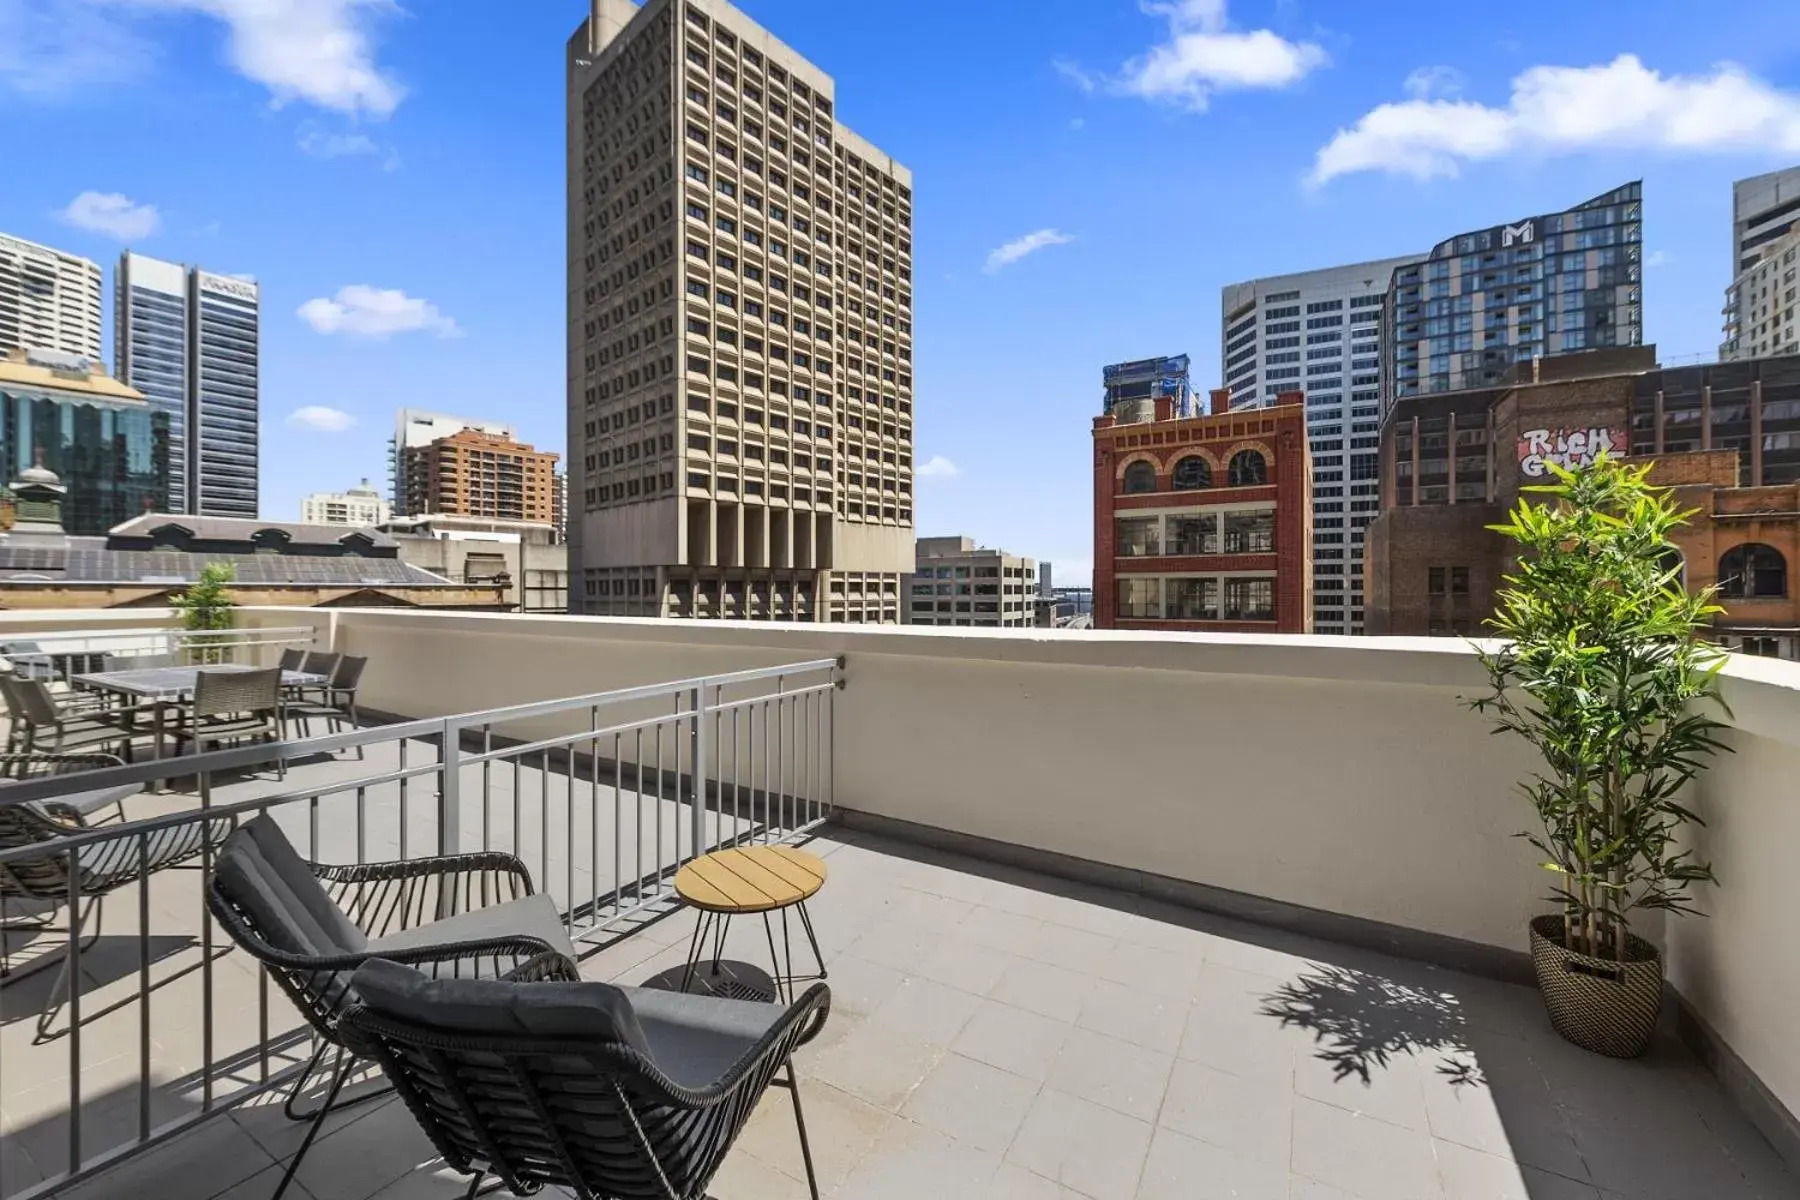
604, 797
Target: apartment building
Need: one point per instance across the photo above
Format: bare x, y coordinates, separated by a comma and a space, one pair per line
361, 505
1763, 208
1482, 302
476, 474
740, 329
1320, 332
1204, 523
189, 340
1760, 303
415, 428
956, 582
49, 300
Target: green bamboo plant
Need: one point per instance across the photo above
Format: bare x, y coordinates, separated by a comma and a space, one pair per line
207, 606
1602, 671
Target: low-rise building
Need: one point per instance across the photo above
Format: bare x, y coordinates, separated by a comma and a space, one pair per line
361, 505
526, 560
1204, 522
1726, 436
956, 582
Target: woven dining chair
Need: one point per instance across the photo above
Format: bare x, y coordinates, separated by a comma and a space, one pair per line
36, 721
231, 705
613, 1093
311, 925
99, 867
336, 703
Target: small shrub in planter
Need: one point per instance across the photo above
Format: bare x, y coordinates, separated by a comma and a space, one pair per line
1603, 672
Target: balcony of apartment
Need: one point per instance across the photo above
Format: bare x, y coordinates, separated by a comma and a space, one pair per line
1199, 915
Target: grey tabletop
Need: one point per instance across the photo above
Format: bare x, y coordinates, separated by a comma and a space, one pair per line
165, 683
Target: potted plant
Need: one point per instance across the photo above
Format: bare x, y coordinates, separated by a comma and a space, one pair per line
207, 606
1603, 672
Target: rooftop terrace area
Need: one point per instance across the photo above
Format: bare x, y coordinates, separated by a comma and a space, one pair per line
1105, 917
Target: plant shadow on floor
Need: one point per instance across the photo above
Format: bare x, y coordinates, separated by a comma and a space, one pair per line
1361, 1022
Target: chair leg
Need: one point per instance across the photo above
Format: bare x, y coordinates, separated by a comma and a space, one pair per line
793, 1087
344, 1059
67, 979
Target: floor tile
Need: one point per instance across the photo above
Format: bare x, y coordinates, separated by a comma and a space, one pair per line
972, 1102
925, 1009
1094, 1150
1253, 1116
1362, 1155
1013, 1039
1183, 1168
1143, 1018
1045, 988
1473, 1175
1115, 1074
914, 1162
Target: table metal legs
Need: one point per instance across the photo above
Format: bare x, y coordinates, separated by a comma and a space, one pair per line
715, 925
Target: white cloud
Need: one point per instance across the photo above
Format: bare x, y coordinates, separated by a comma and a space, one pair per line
319, 51
363, 311
112, 214
1657, 258
1202, 55
1621, 105
336, 145
937, 467
320, 419
1084, 79
1018, 248
53, 49
1428, 83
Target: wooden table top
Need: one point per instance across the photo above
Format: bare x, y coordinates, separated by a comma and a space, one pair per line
750, 879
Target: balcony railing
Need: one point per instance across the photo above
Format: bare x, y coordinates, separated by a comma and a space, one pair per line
603, 796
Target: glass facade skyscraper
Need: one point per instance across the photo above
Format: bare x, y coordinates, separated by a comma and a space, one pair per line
188, 340
222, 406
1481, 302
112, 454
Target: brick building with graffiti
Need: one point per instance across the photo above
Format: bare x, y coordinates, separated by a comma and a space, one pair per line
1725, 435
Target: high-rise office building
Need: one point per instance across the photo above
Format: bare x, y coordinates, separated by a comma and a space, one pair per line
1763, 208
1320, 332
49, 300
1534, 288
740, 328
413, 428
190, 341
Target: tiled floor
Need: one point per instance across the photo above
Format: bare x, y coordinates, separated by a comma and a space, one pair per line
998, 1034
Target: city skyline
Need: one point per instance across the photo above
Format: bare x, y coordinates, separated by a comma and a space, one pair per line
408, 235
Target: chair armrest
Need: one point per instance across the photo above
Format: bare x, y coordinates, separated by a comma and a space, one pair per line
413, 868
522, 947
550, 967
385, 897
801, 1023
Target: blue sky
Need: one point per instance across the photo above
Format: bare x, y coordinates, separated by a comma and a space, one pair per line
392, 173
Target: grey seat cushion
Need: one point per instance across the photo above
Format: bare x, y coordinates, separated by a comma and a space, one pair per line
535, 916
578, 1012
260, 871
695, 1039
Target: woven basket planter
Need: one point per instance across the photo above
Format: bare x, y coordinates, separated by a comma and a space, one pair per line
1608, 1007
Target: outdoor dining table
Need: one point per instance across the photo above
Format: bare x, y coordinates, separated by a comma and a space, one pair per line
171, 687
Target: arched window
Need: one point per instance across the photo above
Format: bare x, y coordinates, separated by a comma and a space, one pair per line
1140, 477
1752, 571
1248, 469
1192, 473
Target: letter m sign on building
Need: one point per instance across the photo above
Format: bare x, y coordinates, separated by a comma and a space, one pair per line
1521, 233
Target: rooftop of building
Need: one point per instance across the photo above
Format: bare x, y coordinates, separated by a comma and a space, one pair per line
1140, 951
58, 373
295, 535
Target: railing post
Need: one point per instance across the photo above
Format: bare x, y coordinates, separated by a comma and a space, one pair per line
450, 789
699, 768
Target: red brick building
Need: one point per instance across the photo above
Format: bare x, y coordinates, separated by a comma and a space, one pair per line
1203, 523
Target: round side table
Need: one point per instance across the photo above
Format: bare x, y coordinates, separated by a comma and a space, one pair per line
748, 881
